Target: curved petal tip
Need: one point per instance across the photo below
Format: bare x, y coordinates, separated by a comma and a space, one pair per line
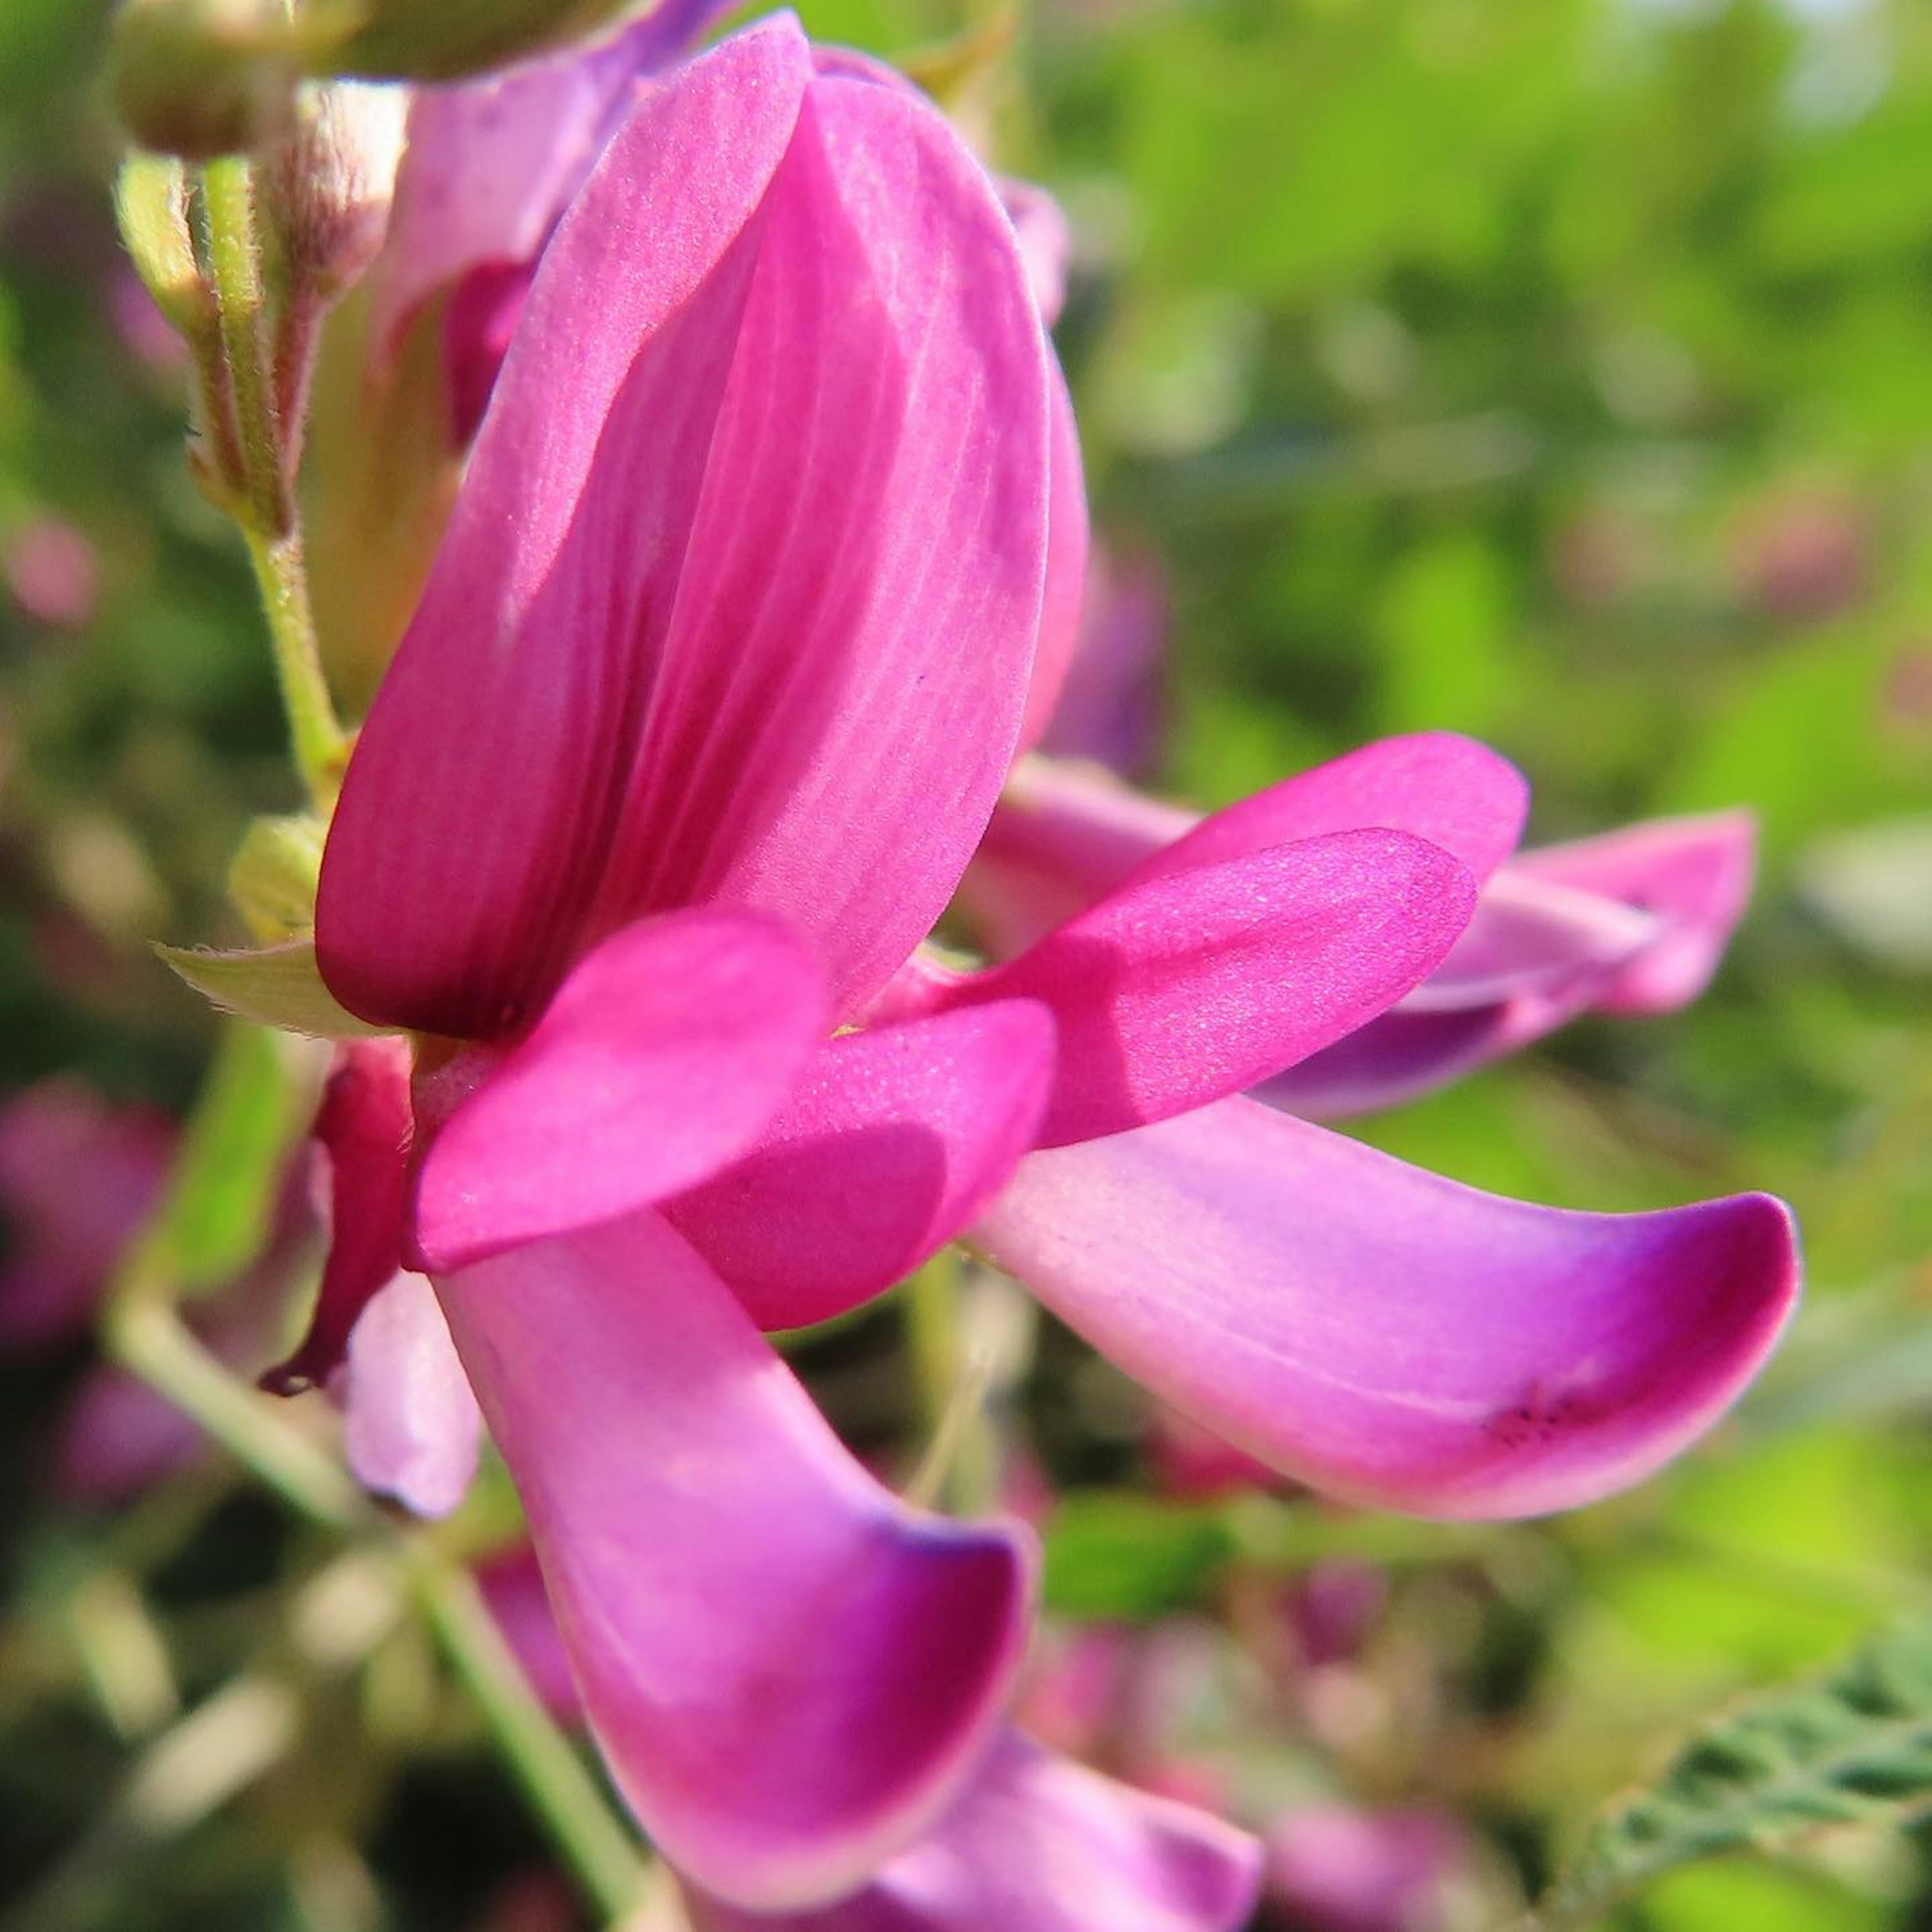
1387, 1335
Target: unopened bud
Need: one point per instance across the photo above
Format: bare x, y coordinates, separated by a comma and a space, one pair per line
200, 78
325, 192
151, 203
273, 877
444, 39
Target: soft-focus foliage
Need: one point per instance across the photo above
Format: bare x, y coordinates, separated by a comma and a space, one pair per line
1559, 371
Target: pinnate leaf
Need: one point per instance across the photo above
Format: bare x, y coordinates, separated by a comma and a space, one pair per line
1852, 1747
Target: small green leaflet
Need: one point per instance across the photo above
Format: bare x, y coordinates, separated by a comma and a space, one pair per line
1854, 1746
273, 986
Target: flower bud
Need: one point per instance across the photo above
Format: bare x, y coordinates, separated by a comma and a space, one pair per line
151, 205
325, 191
443, 40
199, 78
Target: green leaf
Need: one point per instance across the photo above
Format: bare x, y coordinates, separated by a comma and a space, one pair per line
1854, 1747
1111, 1555
221, 1197
273, 986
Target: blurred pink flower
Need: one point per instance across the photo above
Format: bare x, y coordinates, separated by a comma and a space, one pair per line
1331, 1868
1802, 557
52, 573
77, 1176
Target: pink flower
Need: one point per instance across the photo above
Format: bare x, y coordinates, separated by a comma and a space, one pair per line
760, 572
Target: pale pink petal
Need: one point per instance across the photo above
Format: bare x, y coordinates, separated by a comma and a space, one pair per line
790, 1671
1387, 1335
661, 1059
512, 1585
1398, 1058
1039, 1843
894, 1140
1691, 875
1110, 709
1046, 242
1632, 922
1183, 987
492, 162
411, 1429
363, 1133
640, 677
1068, 537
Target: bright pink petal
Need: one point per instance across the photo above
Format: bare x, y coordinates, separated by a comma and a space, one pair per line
1691, 875
410, 1429
894, 1140
1067, 540
492, 163
790, 1671
1390, 1336
363, 1131
661, 1058
739, 595
1039, 1844
1183, 987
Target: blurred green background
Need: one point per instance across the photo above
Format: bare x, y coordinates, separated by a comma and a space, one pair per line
1556, 371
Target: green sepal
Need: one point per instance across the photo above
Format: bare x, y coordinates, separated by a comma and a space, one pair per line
278, 986
273, 877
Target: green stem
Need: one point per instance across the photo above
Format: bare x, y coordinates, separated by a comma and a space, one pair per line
959, 1470
234, 262
599, 1852
145, 1334
141, 1328
266, 508
321, 747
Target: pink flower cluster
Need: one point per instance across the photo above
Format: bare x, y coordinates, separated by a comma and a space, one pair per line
763, 577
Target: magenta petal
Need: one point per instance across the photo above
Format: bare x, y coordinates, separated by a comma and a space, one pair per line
1387, 1335
1449, 791
1064, 836
363, 1130
1693, 876
1039, 1844
476, 816
661, 1058
893, 1141
411, 1429
789, 1670
1179, 989
640, 677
